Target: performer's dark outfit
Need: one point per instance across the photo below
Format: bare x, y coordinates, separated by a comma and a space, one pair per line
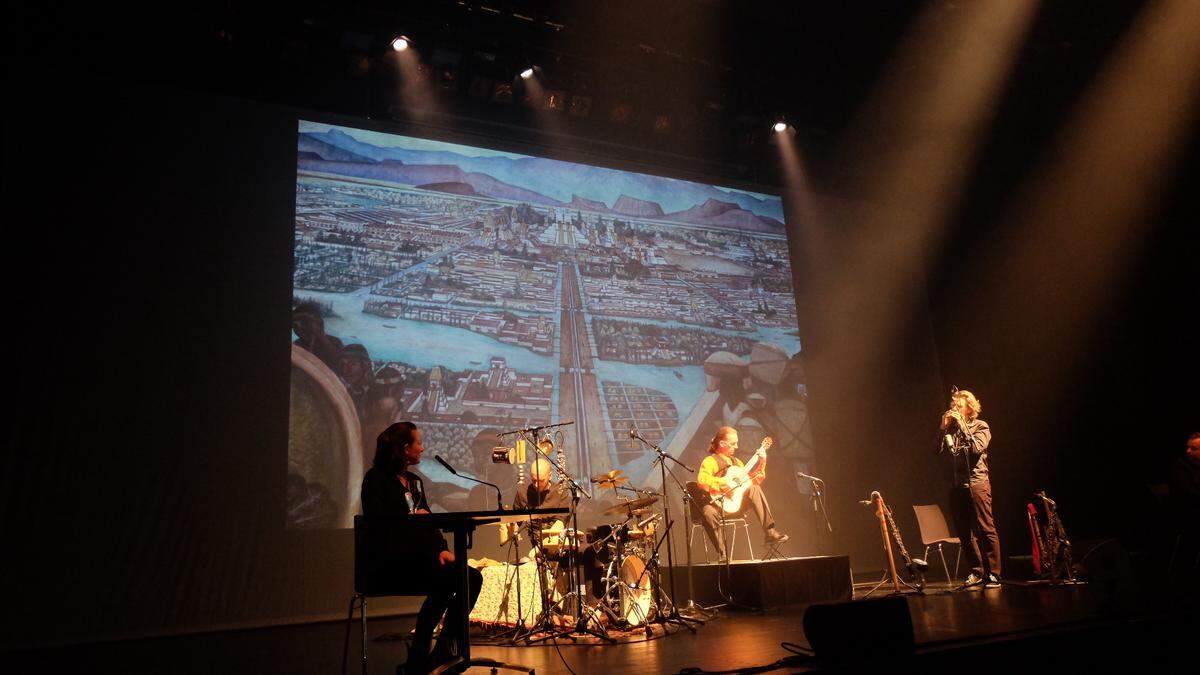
532, 498
384, 494
972, 498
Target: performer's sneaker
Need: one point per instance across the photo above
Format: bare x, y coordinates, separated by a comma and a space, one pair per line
974, 582
774, 536
993, 581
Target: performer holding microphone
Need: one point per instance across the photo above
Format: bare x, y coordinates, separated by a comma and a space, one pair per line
966, 439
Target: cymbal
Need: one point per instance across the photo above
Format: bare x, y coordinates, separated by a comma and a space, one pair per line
629, 507
611, 479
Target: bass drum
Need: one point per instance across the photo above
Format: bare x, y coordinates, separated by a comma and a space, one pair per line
634, 591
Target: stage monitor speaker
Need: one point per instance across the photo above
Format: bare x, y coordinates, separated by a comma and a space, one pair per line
860, 631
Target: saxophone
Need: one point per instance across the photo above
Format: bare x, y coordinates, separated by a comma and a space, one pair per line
1056, 548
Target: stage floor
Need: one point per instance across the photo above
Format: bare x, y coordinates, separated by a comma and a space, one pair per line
981, 631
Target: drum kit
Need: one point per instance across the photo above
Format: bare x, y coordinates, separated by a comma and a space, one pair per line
620, 567
607, 577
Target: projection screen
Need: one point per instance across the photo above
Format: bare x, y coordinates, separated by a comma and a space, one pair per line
474, 291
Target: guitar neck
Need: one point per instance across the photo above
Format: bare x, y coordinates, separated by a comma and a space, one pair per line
754, 460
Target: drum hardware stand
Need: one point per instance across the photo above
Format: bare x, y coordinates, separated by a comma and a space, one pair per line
612, 580
674, 616
581, 620
661, 599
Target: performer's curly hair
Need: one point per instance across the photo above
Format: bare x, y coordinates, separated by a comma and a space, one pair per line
974, 407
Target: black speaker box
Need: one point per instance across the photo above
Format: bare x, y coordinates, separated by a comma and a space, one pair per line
860, 631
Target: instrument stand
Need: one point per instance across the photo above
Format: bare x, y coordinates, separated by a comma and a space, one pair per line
705, 613
915, 590
673, 616
884, 514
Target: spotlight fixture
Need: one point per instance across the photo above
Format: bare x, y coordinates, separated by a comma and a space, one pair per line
400, 43
527, 73
780, 126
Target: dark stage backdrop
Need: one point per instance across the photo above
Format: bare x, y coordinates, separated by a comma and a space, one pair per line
149, 270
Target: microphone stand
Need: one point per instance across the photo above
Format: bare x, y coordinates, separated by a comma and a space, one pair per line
673, 616
818, 506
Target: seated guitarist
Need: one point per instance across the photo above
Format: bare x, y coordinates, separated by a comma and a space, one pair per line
711, 478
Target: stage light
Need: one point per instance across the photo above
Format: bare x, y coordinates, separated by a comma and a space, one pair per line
780, 126
527, 73
400, 43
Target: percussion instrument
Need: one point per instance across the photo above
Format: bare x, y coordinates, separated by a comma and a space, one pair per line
558, 539
642, 530
634, 591
629, 506
612, 479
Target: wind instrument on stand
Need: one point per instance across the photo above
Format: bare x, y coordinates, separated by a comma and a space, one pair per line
916, 566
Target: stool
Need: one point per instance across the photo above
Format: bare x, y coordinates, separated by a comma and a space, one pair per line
773, 552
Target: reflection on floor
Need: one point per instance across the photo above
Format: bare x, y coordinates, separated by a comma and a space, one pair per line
1070, 628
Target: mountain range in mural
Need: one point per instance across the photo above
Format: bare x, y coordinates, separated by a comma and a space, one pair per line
541, 181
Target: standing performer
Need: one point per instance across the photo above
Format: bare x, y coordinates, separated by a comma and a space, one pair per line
711, 478
967, 438
390, 489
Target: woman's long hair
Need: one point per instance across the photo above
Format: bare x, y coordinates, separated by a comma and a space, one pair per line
392, 441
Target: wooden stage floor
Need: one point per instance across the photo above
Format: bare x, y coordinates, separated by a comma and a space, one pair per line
1092, 628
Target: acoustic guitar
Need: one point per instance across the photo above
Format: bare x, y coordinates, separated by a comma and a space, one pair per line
738, 479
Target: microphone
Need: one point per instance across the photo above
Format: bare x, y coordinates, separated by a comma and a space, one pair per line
443, 463
633, 432
801, 474
499, 497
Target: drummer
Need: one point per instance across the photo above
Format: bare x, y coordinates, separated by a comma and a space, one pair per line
542, 492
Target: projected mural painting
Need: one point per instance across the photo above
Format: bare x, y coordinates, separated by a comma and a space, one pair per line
474, 291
